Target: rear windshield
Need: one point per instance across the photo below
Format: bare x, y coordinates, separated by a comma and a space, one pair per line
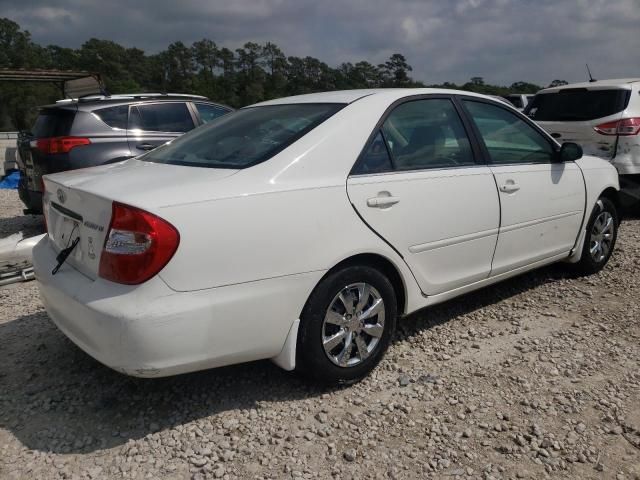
577, 104
245, 137
55, 122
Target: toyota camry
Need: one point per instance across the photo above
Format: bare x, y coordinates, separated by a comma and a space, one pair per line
301, 229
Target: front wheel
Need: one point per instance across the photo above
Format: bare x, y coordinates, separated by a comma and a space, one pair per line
346, 325
602, 232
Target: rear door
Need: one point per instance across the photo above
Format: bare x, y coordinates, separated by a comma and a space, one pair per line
153, 124
574, 115
418, 186
542, 201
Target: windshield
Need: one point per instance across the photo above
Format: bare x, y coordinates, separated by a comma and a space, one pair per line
578, 104
245, 137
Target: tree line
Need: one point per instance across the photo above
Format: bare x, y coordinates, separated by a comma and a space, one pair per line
239, 77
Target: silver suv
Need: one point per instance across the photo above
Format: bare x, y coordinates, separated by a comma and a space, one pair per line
94, 130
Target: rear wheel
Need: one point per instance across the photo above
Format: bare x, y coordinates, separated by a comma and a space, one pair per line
346, 325
602, 232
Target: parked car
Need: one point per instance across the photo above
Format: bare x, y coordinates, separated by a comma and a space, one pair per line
520, 101
94, 130
300, 229
603, 117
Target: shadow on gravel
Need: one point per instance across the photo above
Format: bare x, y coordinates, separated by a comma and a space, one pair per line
442, 313
55, 398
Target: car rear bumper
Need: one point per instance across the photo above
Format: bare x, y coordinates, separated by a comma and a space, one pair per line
150, 330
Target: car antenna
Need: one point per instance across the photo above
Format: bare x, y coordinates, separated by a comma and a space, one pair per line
591, 79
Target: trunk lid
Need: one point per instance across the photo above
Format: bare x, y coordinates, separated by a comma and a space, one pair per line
584, 134
78, 203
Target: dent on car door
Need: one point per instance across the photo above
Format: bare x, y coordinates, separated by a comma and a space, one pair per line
418, 186
153, 124
542, 200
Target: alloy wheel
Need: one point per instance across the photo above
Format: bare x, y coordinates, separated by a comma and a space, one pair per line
601, 236
353, 324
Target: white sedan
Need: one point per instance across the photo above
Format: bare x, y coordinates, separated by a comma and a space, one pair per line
300, 229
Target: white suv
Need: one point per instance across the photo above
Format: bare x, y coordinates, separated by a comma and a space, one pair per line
602, 116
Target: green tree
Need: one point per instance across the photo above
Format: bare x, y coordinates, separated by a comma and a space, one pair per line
395, 71
558, 83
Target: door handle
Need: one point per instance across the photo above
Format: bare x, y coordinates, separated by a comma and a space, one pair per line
382, 202
510, 187
145, 146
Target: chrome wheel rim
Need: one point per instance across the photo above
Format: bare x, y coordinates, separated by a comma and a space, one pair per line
601, 236
353, 325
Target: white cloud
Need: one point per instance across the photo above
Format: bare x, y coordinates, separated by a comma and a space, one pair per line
501, 40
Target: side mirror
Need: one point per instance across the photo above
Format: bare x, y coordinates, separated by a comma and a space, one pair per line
569, 152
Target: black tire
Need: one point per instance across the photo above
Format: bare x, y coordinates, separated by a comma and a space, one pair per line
311, 358
589, 265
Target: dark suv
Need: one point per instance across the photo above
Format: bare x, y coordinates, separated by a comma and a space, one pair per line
95, 130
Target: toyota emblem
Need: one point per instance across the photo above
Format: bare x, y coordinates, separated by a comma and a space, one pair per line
61, 196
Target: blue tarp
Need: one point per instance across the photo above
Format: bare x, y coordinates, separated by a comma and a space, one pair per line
10, 181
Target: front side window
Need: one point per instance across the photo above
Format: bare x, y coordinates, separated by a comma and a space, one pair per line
427, 134
245, 137
161, 117
210, 112
508, 138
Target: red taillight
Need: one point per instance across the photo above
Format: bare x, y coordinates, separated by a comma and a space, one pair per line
138, 245
624, 127
55, 145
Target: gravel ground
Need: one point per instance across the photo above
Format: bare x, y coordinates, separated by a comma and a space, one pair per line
534, 378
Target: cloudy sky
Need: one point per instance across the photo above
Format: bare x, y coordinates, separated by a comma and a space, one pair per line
501, 40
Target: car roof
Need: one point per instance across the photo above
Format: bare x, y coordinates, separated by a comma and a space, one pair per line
350, 96
597, 85
92, 101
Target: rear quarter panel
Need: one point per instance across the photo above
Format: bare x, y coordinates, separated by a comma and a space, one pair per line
254, 237
627, 159
107, 144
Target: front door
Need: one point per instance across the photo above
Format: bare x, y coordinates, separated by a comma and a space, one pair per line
542, 201
418, 186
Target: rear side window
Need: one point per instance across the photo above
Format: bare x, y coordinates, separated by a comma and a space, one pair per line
161, 117
210, 112
115, 117
375, 159
427, 134
55, 122
577, 105
245, 137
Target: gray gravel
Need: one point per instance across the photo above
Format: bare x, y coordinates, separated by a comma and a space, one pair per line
534, 378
